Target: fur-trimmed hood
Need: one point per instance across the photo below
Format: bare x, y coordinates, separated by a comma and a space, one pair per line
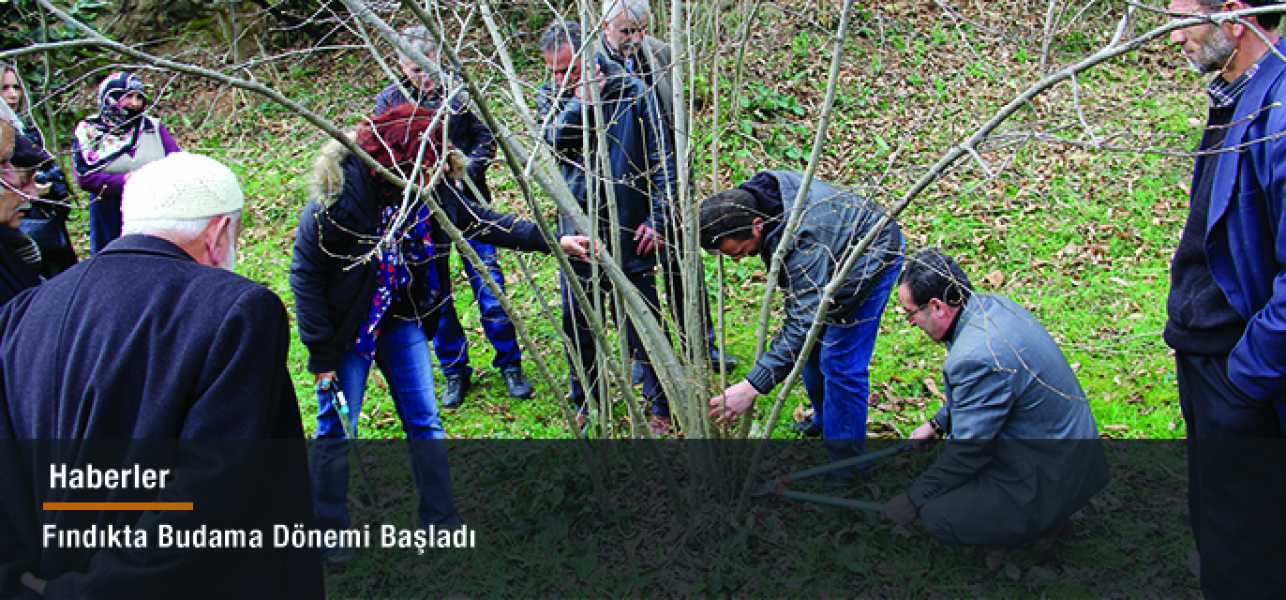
328, 169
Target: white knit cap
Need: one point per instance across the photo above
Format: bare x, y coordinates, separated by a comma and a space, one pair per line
182, 185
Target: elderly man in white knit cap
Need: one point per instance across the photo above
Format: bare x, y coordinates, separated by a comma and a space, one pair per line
155, 338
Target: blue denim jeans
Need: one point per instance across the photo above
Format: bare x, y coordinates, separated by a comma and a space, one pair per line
402, 355
837, 375
104, 222
450, 344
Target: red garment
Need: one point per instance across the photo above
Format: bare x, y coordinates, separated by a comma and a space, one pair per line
394, 138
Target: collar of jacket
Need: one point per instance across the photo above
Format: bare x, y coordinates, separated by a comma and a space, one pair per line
973, 305
619, 83
145, 244
772, 237
1252, 101
328, 172
609, 51
433, 100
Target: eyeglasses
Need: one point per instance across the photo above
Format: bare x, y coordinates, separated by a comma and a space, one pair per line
910, 314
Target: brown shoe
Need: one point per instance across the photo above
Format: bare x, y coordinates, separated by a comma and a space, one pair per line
660, 426
582, 419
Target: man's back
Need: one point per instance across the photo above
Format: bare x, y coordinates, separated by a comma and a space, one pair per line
1009, 378
143, 343
1024, 453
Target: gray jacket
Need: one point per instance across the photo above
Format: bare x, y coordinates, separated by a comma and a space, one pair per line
834, 219
654, 70
656, 53
1013, 404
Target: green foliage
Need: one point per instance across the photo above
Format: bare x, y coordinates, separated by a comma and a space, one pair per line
803, 44
1082, 240
768, 100
26, 27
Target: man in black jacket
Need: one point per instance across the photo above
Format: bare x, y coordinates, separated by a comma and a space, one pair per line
154, 353
632, 171
751, 219
627, 42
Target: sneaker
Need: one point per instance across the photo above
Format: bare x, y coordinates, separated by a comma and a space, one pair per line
516, 382
457, 385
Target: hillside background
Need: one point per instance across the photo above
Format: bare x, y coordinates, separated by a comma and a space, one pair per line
1081, 237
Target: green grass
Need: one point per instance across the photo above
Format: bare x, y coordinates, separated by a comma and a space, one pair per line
1080, 238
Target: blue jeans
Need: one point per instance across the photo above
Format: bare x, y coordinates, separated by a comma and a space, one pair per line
450, 344
104, 222
402, 354
837, 375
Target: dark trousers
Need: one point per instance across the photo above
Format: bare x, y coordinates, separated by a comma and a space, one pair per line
1236, 482
675, 296
450, 343
576, 326
104, 222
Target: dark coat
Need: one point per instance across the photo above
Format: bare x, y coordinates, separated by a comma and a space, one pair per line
333, 298
1246, 233
654, 69
46, 219
142, 343
834, 219
15, 274
643, 172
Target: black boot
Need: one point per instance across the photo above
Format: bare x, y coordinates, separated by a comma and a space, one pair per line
516, 381
457, 385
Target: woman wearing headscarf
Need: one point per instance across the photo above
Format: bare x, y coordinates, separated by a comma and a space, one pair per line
45, 219
370, 276
109, 145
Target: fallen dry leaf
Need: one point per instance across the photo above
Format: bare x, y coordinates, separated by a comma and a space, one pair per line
932, 386
995, 278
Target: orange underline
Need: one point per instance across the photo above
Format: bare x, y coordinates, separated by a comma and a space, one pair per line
117, 506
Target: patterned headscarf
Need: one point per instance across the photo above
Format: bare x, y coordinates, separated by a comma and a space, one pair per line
110, 92
114, 131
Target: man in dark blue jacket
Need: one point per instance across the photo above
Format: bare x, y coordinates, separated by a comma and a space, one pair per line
154, 353
1227, 304
640, 184
472, 137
